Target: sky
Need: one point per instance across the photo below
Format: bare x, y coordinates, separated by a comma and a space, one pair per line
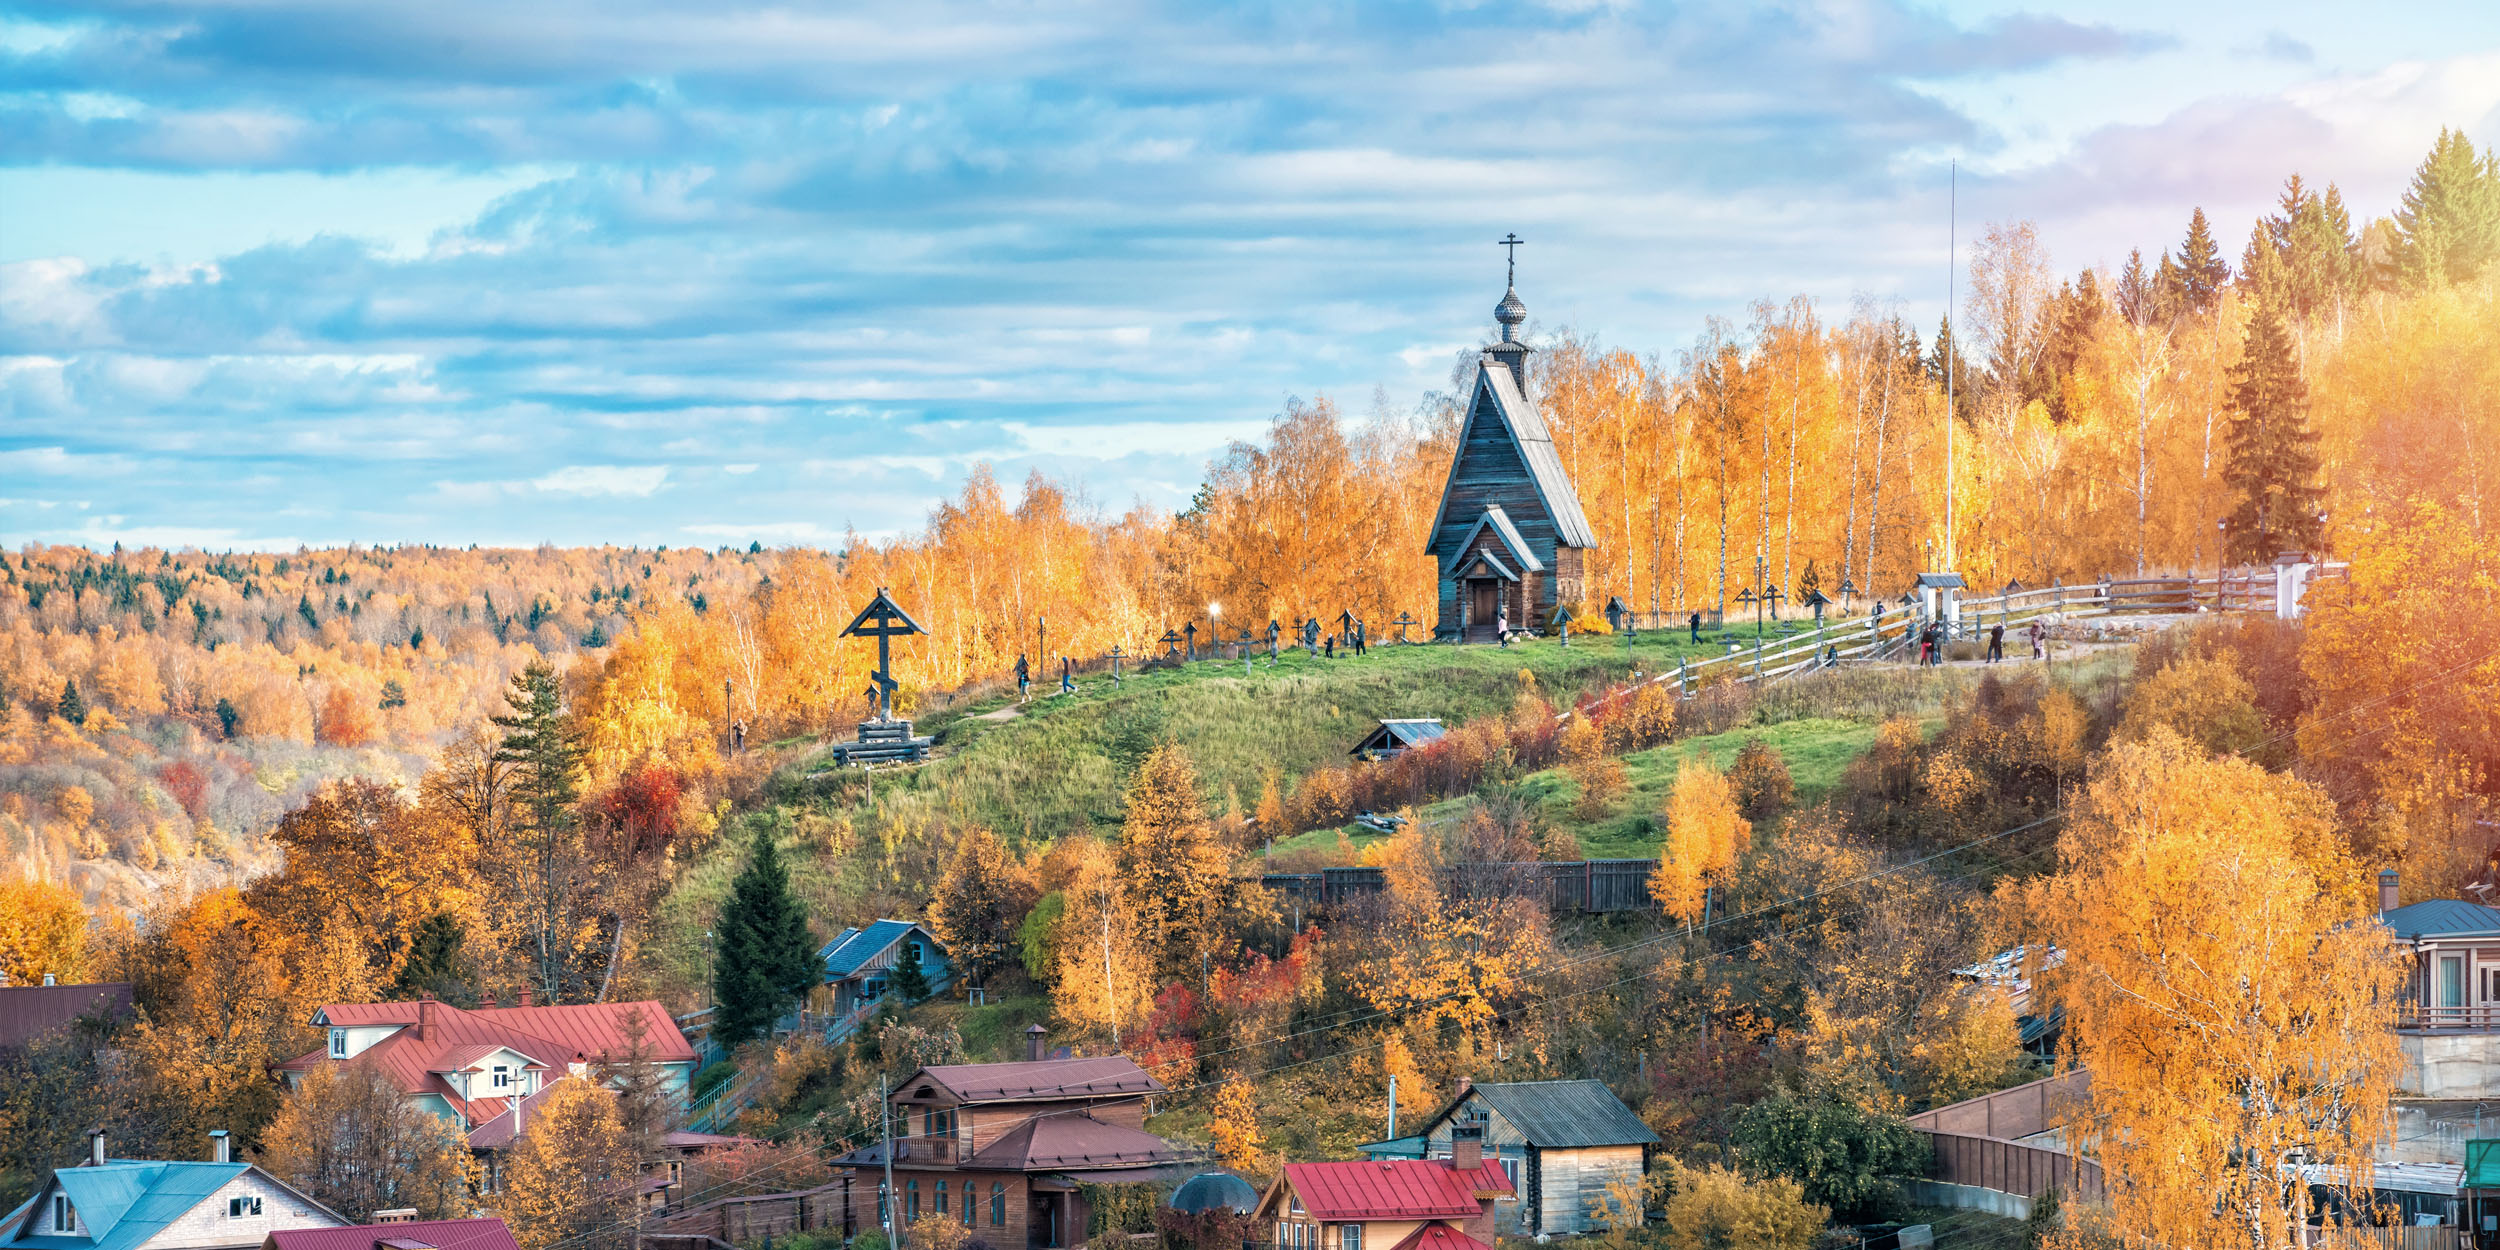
282, 272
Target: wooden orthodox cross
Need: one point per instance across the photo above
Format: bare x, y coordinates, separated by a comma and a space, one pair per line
885, 622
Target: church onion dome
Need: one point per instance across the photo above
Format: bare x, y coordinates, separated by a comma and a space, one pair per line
1510, 312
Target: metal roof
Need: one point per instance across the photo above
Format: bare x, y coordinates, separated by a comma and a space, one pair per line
2441, 917
1209, 1190
125, 1203
486, 1233
1393, 1189
30, 1011
1948, 581
844, 954
1490, 561
1106, 1076
1073, 1142
1439, 1237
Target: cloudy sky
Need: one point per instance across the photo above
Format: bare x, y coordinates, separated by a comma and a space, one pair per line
281, 271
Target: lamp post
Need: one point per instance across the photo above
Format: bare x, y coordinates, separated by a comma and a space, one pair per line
1215, 625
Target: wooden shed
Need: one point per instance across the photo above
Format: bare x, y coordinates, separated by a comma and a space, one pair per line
1395, 737
1562, 1142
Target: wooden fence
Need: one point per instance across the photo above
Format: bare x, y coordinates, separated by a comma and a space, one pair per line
1596, 885
750, 1218
2012, 1167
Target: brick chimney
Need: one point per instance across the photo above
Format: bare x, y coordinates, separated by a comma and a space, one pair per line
1466, 1147
525, 994
425, 1016
488, 1003
220, 1146
1461, 1086
2386, 890
1034, 1043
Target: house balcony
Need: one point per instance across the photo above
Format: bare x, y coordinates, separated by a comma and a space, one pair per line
941, 1148
2477, 1018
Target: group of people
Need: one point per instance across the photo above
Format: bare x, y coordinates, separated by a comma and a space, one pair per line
1931, 640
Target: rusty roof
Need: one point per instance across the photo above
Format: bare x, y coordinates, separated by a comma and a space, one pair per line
1073, 1142
1393, 1189
1108, 1076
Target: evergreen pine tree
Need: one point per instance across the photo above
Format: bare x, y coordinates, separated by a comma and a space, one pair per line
227, 717
549, 873
2273, 464
766, 960
2449, 224
71, 708
908, 982
437, 964
2202, 271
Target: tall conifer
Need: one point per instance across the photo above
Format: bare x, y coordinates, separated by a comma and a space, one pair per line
2273, 465
2449, 224
766, 960
2202, 271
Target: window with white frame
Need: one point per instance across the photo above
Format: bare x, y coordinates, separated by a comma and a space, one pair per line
1349, 1237
338, 1043
503, 1077
242, 1205
64, 1216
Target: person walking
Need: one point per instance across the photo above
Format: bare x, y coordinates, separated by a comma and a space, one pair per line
1996, 642
1926, 645
1024, 679
1067, 678
1697, 627
2039, 640
1501, 627
1332, 646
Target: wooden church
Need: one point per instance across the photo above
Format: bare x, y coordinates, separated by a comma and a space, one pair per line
1509, 536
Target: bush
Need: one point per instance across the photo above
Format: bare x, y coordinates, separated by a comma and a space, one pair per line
1846, 1156
1715, 1208
1760, 775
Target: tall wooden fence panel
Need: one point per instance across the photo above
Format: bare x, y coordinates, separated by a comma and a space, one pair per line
2012, 1167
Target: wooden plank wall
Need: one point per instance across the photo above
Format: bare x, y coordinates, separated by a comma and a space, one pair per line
2011, 1167
1598, 885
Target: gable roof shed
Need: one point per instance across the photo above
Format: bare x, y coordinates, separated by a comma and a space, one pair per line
847, 952
1556, 1115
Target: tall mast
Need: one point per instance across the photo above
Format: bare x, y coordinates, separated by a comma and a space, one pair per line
1953, 347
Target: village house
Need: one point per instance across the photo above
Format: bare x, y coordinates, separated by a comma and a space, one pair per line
2449, 1023
1388, 1204
398, 1230
860, 963
144, 1204
1004, 1147
1558, 1143
1508, 537
469, 1066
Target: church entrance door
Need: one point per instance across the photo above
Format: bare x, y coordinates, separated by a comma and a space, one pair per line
1485, 609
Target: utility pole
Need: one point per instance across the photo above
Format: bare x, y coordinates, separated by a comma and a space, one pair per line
1953, 345
885, 1131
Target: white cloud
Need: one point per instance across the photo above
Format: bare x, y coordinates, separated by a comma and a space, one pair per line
637, 480
739, 470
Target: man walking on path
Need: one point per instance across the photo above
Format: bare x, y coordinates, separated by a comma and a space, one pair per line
2039, 636
1501, 627
1067, 679
1697, 627
1996, 642
1926, 645
1024, 680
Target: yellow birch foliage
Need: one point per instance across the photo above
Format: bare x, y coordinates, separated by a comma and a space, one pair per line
572, 1172
1704, 834
2225, 986
1105, 974
43, 928
1451, 961
1717, 1207
1235, 1129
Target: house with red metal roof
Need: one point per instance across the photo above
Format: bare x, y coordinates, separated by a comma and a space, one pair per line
1387, 1204
472, 1066
481, 1233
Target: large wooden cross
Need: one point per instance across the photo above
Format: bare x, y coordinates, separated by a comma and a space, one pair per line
884, 621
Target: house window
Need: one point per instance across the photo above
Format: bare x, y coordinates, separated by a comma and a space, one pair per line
911, 1199
940, 1209
2491, 985
503, 1077
998, 1204
1510, 1168
938, 1122
883, 1219
1349, 1237
338, 1043
237, 1208
911, 951
2451, 980
64, 1218
872, 988
971, 1203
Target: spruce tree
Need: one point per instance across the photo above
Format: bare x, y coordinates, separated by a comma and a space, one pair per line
228, 717
766, 960
2202, 271
2449, 224
71, 708
2137, 301
2273, 464
546, 866
908, 982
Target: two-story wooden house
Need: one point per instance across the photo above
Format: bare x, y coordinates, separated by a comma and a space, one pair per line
1387, 1204
1002, 1147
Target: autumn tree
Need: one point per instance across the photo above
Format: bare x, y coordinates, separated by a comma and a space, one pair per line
43, 929
359, 851
1446, 959
572, 1172
1235, 1128
1105, 973
1176, 881
2202, 699
766, 958
1704, 833
1716, 1207
349, 1139
2225, 985
980, 903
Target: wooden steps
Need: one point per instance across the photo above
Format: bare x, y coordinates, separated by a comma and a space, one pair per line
883, 741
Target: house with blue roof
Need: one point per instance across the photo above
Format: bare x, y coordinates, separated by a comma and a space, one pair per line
860, 963
146, 1204
2449, 1022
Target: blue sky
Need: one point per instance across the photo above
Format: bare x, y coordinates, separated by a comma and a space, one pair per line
319, 271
